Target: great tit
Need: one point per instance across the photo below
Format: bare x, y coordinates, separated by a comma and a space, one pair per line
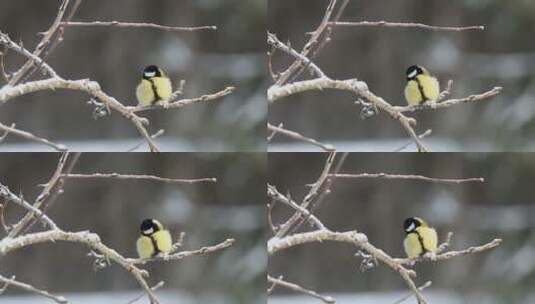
154, 239
154, 87
421, 86
419, 237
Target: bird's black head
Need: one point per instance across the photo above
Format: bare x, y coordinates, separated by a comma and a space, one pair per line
149, 226
151, 71
411, 224
414, 71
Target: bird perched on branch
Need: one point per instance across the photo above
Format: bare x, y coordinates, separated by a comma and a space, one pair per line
420, 238
421, 86
154, 239
154, 87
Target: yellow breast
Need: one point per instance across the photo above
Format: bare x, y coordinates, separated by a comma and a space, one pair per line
412, 245
144, 247
163, 88
144, 93
413, 242
157, 243
427, 85
163, 241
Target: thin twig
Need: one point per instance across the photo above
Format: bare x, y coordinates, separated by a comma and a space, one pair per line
6, 133
184, 102
11, 197
408, 176
274, 132
451, 254
407, 25
295, 287
424, 286
153, 136
27, 135
276, 195
275, 42
139, 25
184, 254
3, 223
6, 41
42, 46
50, 191
138, 177
153, 288
30, 288
451, 102
295, 135
309, 197
423, 135
312, 42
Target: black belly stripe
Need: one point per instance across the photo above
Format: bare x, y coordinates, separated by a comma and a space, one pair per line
421, 89
154, 90
155, 246
421, 241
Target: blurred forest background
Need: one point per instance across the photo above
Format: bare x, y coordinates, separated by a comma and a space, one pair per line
501, 207
502, 55
209, 61
208, 213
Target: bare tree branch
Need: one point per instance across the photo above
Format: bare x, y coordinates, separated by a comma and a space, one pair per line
274, 194
90, 87
285, 238
118, 24
11, 197
184, 102
284, 85
311, 195
139, 177
184, 254
295, 287
43, 44
407, 25
275, 42
18, 86
276, 130
12, 130
409, 177
30, 288
451, 102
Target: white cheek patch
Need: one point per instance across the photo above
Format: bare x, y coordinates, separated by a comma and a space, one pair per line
150, 74
413, 74
148, 231
411, 227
